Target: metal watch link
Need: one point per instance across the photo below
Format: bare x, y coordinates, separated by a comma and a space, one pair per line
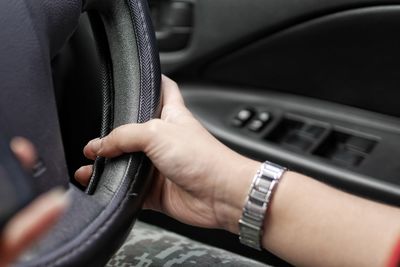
255, 208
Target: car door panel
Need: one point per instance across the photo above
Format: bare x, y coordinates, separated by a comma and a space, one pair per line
349, 57
222, 26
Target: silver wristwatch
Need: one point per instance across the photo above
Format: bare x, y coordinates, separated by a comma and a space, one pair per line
261, 190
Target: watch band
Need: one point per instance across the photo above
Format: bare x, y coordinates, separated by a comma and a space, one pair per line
261, 190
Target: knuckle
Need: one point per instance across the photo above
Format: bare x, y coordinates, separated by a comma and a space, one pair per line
154, 126
113, 139
119, 132
169, 82
173, 83
120, 137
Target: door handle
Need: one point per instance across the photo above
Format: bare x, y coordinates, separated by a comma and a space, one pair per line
173, 22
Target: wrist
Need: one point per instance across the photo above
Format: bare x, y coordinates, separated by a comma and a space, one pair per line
232, 190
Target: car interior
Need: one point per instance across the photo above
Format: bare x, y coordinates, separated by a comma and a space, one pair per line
312, 85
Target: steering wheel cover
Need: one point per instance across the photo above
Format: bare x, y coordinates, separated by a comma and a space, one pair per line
95, 225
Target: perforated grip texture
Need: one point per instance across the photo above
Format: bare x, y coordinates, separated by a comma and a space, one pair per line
150, 72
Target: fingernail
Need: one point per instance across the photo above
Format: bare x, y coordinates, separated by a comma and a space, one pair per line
78, 170
95, 145
17, 144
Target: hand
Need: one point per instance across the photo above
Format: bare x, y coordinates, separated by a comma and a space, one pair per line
200, 181
34, 220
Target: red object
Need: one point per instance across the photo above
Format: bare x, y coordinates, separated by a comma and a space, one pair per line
394, 261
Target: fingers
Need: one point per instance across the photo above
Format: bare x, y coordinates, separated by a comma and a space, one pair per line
90, 149
133, 137
125, 139
83, 174
24, 151
31, 223
170, 92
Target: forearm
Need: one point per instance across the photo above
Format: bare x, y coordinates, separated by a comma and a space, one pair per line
307, 219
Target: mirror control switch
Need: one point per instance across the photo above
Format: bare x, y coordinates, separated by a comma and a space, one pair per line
242, 117
256, 125
264, 116
245, 115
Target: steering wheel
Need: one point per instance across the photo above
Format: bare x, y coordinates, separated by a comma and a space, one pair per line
32, 33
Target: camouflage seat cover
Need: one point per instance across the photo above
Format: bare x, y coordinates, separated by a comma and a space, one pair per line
148, 245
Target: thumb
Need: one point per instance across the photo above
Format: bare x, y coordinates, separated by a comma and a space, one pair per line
125, 139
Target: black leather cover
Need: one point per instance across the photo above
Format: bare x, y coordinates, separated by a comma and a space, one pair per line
32, 33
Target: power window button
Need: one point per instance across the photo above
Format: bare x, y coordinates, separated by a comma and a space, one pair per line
297, 141
346, 157
360, 144
314, 131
